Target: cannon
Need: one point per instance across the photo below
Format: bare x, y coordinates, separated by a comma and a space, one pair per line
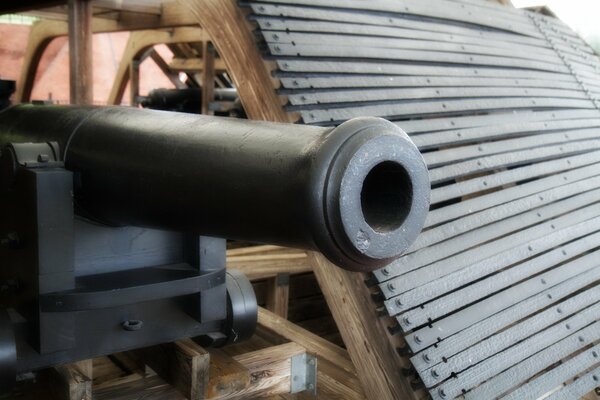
189, 100
114, 219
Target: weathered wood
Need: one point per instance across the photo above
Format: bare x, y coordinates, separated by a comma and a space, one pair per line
194, 65
208, 76
269, 369
74, 381
141, 41
267, 266
278, 294
183, 364
227, 27
227, 375
81, 80
377, 362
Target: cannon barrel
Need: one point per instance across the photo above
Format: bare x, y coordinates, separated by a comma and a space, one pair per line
359, 193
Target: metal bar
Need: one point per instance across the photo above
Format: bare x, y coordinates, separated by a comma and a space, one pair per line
507, 338
520, 351
375, 67
493, 314
538, 362
404, 109
565, 371
339, 41
579, 388
324, 97
428, 278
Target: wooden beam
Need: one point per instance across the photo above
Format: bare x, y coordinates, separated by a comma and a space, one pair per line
278, 294
81, 80
228, 29
377, 363
268, 264
208, 76
141, 41
74, 381
270, 370
134, 82
164, 67
183, 364
336, 375
194, 64
227, 375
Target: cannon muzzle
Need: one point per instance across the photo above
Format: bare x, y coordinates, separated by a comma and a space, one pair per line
359, 193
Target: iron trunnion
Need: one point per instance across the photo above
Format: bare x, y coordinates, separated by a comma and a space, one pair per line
112, 221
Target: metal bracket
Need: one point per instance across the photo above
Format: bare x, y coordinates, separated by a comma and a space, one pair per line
304, 374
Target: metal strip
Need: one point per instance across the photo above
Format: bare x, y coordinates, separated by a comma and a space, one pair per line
450, 123
500, 281
538, 362
495, 313
426, 56
428, 277
426, 108
288, 12
504, 177
520, 351
578, 388
426, 141
447, 156
506, 210
408, 30
336, 40
484, 164
505, 339
294, 83
305, 66
382, 94
545, 383
439, 9
534, 213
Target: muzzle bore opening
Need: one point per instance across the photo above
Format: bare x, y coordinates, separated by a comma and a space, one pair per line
386, 196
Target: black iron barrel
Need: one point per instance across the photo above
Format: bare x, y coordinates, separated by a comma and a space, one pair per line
359, 193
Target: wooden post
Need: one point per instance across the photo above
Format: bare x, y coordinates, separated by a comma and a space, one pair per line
208, 76
227, 375
80, 52
182, 364
278, 293
74, 381
377, 363
134, 82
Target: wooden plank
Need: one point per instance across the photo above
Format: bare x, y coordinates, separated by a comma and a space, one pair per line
194, 64
182, 364
81, 80
373, 355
